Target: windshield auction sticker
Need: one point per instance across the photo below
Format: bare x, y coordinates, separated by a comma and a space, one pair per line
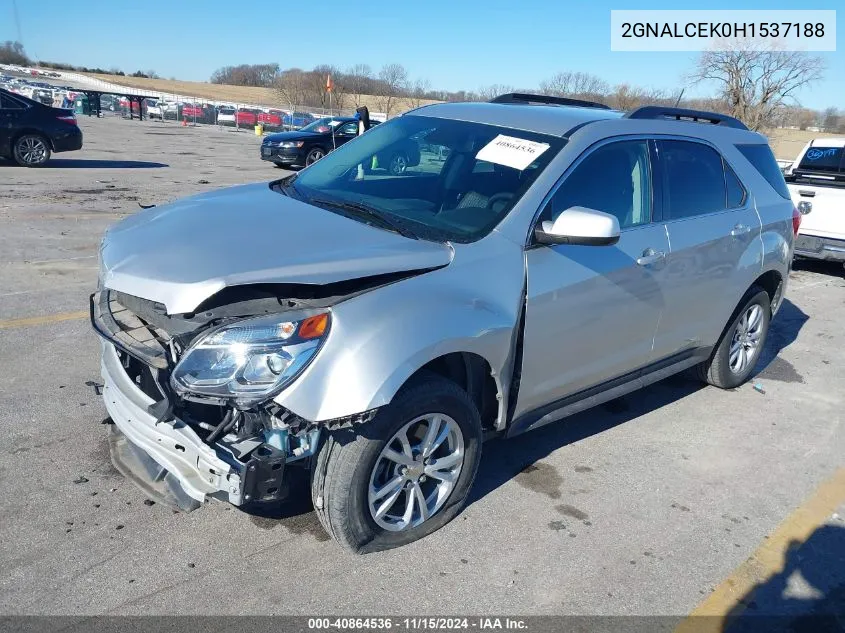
511, 151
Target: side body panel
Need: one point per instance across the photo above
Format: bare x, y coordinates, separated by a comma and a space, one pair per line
775, 213
591, 314
379, 339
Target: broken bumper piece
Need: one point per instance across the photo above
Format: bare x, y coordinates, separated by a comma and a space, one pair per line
170, 462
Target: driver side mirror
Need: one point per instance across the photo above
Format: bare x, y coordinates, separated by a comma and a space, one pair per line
581, 226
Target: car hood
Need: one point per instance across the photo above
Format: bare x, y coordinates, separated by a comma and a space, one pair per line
182, 253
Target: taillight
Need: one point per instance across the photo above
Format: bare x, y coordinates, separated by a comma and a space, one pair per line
67, 119
796, 220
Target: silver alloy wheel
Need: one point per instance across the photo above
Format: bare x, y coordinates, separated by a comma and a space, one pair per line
746, 339
32, 150
398, 165
314, 156
416, 472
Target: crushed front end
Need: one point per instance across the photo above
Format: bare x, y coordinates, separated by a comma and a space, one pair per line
186, 438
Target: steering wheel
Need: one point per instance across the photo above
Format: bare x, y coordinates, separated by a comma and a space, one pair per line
499, 197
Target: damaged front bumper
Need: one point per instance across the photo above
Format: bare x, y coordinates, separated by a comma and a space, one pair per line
183, 451
175, 446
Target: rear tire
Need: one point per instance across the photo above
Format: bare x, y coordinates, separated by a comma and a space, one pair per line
742, 342
353, 470
31, 150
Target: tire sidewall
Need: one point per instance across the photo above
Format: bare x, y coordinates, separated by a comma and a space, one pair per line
361, 528
728, 377
16, 153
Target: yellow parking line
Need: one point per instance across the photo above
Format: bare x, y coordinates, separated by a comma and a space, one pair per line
43, 320
767, 560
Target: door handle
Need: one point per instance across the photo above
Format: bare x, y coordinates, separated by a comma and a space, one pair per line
650, 256
740, 229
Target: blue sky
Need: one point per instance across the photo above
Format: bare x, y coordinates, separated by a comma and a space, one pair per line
453, 43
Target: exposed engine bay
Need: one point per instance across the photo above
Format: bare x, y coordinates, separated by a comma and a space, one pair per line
256, 439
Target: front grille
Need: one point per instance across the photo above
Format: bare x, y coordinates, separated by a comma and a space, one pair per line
126, 330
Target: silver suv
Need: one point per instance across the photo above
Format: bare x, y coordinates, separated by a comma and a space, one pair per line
544, 256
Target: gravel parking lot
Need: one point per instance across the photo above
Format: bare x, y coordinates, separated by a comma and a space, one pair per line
642, 506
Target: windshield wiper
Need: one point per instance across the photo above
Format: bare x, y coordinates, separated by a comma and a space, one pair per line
368, 211
285, 186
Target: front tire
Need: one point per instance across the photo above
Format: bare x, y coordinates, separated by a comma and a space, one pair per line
403, 475
742, 342
31, 150
314, 155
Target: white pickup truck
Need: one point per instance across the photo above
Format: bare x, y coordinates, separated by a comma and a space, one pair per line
816, 181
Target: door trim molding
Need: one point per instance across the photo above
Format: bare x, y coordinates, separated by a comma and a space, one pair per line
608, 390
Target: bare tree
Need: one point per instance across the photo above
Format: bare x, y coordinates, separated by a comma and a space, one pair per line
830, 120
392, 84
757, 83
418, 92
488, 93
292, 87
575, 84
358, 81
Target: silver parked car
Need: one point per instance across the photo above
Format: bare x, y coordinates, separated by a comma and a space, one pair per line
375, 328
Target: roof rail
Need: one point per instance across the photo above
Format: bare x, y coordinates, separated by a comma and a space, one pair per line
683, 114
531, 99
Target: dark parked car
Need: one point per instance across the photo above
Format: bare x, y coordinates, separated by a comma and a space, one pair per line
311, 143
31, 131
297, 120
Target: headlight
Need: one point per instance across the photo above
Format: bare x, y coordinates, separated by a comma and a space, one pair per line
291, 143
251, 360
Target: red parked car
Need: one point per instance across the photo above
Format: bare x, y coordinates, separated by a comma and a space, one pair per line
271, 118
246, 117
192, 111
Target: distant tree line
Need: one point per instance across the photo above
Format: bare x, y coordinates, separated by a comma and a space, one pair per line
257, 75
756, 86
13, 53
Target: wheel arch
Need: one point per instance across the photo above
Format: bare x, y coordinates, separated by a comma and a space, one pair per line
30, 130
771, 281
472, 373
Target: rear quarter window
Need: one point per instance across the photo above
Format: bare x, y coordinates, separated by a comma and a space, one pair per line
761, 158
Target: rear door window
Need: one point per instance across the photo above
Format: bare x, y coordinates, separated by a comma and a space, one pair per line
693, 179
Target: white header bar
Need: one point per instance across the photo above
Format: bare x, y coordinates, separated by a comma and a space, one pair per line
693, 30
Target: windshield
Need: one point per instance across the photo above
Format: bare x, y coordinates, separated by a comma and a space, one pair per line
445, 179
322, 125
